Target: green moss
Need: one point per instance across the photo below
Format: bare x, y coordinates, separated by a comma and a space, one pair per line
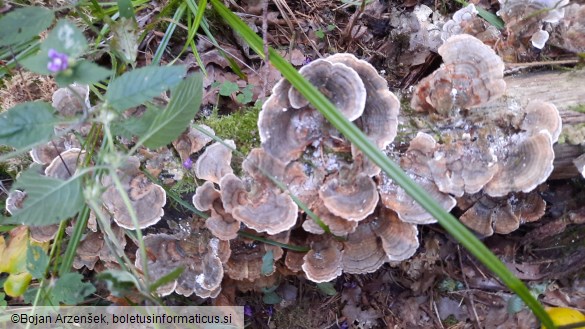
240, 126
578, 108
574, 134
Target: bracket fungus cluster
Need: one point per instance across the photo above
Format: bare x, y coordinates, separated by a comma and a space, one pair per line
201, 255
489, 146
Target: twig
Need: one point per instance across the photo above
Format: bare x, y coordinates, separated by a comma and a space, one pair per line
437, 314
262, 95
469, 296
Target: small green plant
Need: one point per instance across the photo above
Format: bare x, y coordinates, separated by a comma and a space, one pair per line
320, 33
52, 200
231, 89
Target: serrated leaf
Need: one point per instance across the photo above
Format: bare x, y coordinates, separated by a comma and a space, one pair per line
268, 263
124, 41
227, 88
167, 278
271, 298
65, 38
27, 124
70, 290
22, 24
327, 288
170, 123
141, 85
48, 200
119, 283
36, 261
84, 72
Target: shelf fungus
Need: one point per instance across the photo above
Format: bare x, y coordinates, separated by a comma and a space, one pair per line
245, 261
417, 164
467, 21
201, 256
192, 141
146, 198
93, 248
525, 159
72, 100
380, 238
337, 225
471, 75
215, 161
65, 164
488, 215
220, 223
323, 262
264, 208
44, 154
352, 197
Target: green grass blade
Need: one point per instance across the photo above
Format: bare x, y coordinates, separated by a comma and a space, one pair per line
168, 34
487, 15
352, 132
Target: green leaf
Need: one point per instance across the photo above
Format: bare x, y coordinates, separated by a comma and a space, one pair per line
124, 41
319, 34
37, 63
22, 24
65, 38
48, 200
271, 298
246, 95
119, 283
141, 85
136, 126
170, 123
327, 288
227, 88
36, 261
84, 72
70, 290
268, 263
167, 278
27, 124
3, 299
125, 8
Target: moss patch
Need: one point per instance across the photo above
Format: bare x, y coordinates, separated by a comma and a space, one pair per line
240, 126
578, 108
574, 135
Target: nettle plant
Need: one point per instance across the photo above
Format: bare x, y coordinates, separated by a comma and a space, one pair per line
80, 165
